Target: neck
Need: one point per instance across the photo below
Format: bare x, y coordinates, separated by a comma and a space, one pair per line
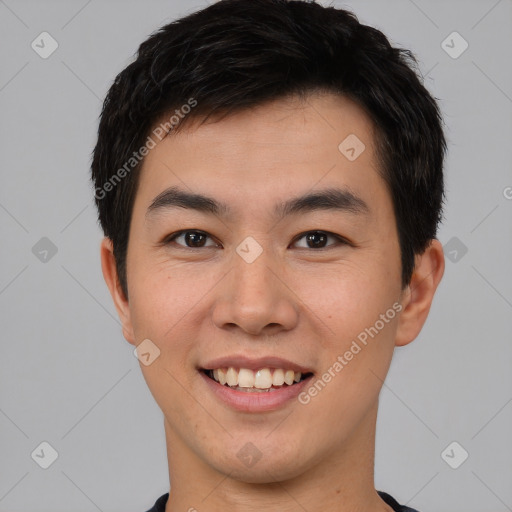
338, 481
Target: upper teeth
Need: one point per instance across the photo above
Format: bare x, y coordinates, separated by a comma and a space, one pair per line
261, 379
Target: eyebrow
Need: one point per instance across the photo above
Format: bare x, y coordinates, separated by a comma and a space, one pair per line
337, 199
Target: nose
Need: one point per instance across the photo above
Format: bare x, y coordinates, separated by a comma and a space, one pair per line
255, 298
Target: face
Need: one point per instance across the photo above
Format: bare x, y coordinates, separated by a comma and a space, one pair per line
291, 262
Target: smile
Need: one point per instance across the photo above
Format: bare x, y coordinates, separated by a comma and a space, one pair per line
262, 380
252, 391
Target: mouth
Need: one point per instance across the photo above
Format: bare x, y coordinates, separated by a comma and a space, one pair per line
263, 380
254, 385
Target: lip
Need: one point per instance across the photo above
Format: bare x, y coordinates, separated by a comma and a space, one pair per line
241, 361
255, 402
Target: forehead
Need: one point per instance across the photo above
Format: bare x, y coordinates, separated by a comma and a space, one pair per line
281, 148
289, 121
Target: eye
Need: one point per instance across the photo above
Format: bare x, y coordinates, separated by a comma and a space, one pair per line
318, 239
193, 239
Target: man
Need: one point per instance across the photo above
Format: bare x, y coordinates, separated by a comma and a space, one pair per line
268, 176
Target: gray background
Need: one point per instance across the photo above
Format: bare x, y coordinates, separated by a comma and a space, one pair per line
68, 377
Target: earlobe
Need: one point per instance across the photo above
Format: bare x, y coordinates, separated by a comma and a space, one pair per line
418, 296
109, 269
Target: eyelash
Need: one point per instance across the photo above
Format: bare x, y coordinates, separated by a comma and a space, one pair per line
177, 234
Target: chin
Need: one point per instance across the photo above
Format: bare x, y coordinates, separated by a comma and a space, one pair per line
266, 466
262, 474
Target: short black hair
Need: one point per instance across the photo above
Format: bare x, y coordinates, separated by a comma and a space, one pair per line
238, 54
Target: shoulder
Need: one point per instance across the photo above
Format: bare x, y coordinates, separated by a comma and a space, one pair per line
389, 500
160, 503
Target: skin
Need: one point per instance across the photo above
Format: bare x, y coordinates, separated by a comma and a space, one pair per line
294, 301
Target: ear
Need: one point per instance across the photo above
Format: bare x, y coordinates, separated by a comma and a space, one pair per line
418, 295
108, 266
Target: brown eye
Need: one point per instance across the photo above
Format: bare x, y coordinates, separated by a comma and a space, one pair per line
192, 238
318, 239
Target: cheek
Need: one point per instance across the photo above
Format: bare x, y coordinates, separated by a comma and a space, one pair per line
169, 300
349, 297
356, 305
158, 299
357, 350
